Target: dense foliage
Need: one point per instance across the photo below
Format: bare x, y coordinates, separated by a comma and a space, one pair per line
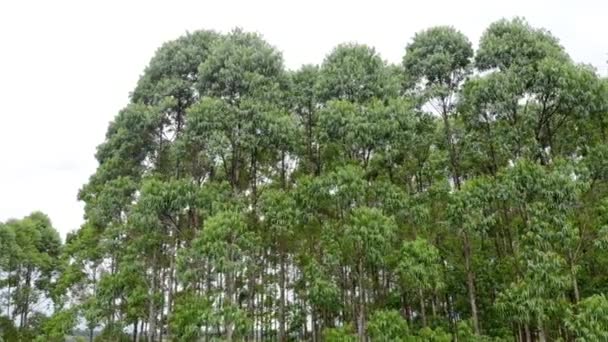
459, 196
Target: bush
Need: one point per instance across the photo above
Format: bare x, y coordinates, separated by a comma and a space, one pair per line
388, 325
113, 333
345, 333
8, 332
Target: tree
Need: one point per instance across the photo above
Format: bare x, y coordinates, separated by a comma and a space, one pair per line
589, 322
304, 101
37, 246
367, 239
58, 326
421, 271
533, 69
387, 326
439, 59
229, 246
279, 213
355, 73
449, 197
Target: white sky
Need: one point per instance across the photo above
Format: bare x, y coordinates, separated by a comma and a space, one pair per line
67, 67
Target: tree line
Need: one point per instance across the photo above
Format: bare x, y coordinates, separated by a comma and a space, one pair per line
460, 195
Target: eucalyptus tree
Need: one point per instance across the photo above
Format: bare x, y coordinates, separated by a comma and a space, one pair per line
588, 322
170, 83
550, 245
125, 156
8, 264
230, 248
305, 101
159, 223
354, 86
420, 270
535, 90
245, 74
355, 73
278, 211
439, 60
234, 199
388, 325
367, 239
30, 252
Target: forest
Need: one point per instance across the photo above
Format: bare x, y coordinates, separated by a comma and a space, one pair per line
459, 195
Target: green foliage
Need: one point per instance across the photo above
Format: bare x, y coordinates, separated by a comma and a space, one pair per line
172, 72
588, 320
514, 43
448, 197
8, 331
434, 335
191, 312
58, 326
420, 266
439, 55
241, 64
354, 73
112, 333
342, 334
387, 326
29, 256
369, 236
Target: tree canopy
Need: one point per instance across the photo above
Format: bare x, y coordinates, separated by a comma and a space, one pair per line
460, 195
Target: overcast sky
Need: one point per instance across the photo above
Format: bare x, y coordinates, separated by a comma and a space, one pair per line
67, 67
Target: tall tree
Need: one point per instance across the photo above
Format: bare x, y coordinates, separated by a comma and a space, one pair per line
352, 200
439, 59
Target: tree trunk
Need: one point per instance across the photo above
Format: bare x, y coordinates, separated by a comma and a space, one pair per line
407, 309
135, 330
434, 306
250, 304
263, 299
528, 334
519, 332
577, 296
361, 316
18, 290
91, 326
207, 285
141, 330
541, 332
28, 289
8, 298
314, 328
422, 308
254, 181
471, 283
281, 336
151, 304
449, 311
229, 326
161, 321
451, 149
170, 292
